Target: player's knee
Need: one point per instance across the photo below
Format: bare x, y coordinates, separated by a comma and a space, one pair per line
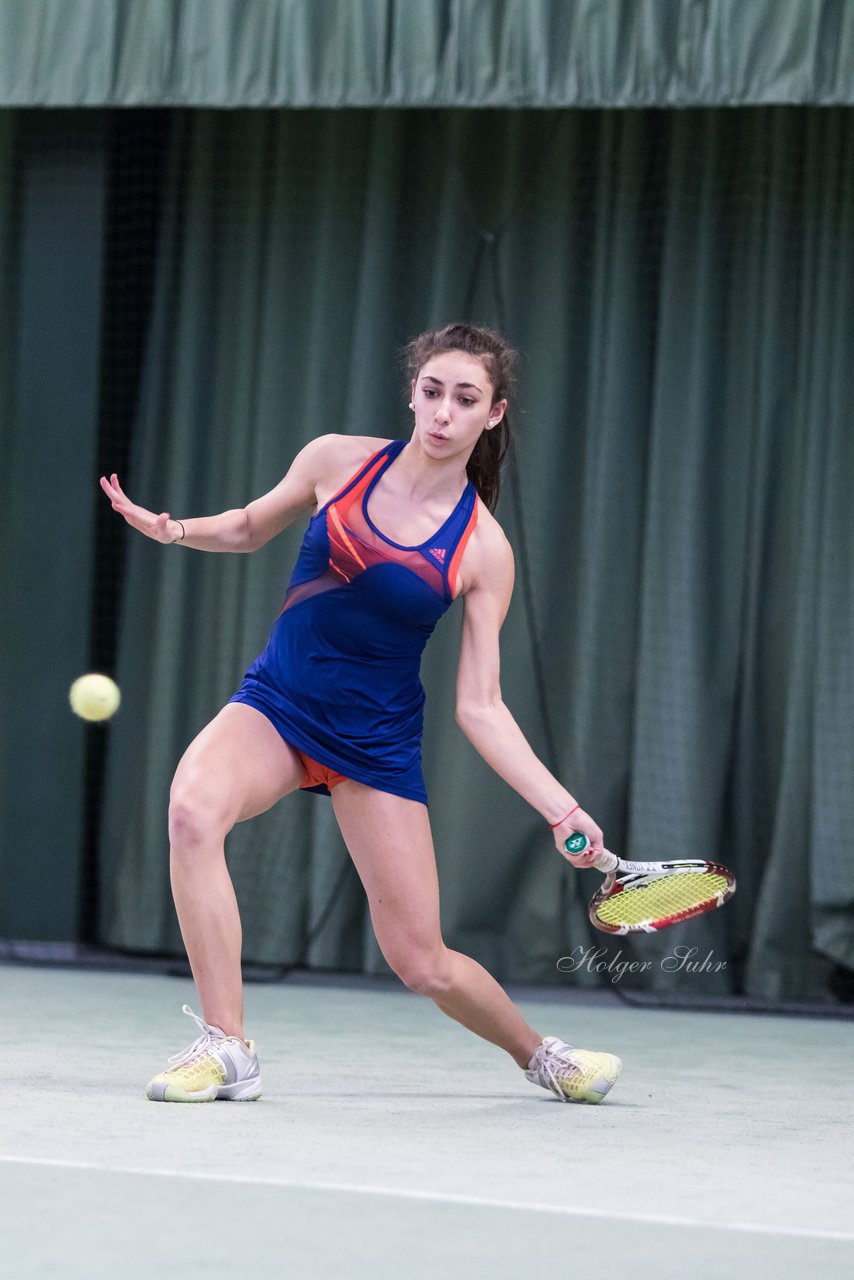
195, 819
427, 974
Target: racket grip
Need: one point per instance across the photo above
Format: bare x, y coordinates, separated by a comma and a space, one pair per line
606, 861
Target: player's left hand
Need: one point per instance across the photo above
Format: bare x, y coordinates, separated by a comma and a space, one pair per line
579, 821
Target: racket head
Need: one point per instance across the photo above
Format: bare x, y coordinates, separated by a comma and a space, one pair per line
646, 902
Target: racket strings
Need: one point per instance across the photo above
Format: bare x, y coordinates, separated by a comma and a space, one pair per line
661, 898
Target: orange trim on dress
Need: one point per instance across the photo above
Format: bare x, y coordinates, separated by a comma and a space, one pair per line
373, 457
461, 546
342, 533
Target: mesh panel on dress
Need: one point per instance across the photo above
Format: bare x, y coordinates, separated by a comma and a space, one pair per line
355, 547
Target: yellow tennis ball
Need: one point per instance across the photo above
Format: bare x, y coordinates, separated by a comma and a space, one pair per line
94, 697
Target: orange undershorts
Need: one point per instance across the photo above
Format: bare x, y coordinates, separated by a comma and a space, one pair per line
317, 775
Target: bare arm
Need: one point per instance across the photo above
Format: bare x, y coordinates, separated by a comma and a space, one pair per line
244, 528
481, 712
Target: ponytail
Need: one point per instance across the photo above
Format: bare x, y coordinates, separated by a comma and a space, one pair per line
484, 465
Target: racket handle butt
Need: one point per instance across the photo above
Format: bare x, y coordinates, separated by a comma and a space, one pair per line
606, 861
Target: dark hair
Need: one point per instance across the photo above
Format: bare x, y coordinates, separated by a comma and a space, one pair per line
499, 360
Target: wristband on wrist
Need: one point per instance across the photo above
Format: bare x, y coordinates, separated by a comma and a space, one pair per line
564, 818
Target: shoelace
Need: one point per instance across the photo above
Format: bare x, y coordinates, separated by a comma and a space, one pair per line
208, 1038
549, 1061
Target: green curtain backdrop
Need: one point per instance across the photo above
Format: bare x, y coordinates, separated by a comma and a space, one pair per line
52, 184
397, 53
680, 285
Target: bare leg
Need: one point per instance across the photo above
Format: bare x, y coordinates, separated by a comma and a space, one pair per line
391, 845
237, 767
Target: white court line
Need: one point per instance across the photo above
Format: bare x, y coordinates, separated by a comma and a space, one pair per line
440, 1197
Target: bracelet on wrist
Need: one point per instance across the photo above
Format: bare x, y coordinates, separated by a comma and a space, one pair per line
553, 825
183, 532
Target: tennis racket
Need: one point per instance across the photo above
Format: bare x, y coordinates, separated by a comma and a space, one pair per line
642, 897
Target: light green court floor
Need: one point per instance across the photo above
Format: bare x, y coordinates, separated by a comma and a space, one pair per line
391, 1143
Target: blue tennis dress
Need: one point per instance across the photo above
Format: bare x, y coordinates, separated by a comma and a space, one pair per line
339, 677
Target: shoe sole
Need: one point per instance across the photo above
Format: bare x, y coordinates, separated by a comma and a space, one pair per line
242, 1091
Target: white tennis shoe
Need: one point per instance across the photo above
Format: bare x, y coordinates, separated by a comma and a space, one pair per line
214, 1066
573, 1075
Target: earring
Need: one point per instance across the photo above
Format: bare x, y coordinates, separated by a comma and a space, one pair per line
411, 405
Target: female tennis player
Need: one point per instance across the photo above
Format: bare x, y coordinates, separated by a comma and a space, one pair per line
334, 704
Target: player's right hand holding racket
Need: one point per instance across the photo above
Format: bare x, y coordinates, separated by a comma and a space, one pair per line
577, 822
641, 897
